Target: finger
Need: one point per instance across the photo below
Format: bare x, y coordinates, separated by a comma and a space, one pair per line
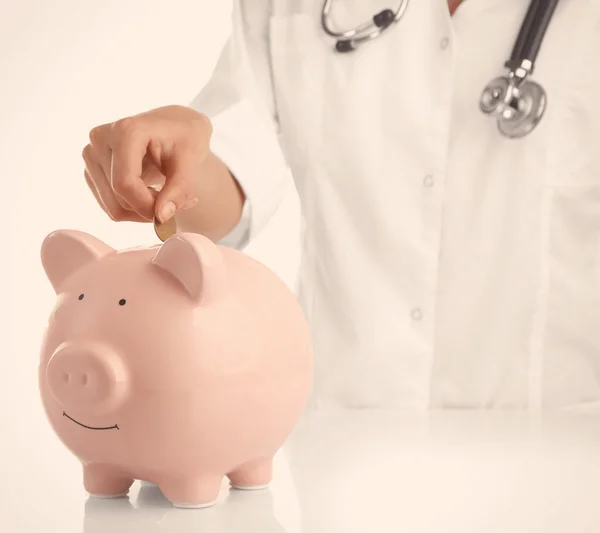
153, 177
177, 193
97, 172
93, 171
99, 137
99, 140
130, 217
106, 196
98, 178
93, 188
129, 143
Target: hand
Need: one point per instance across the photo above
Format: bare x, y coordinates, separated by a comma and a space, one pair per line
163, 148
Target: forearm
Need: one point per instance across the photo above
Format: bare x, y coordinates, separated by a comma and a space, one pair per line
220, 202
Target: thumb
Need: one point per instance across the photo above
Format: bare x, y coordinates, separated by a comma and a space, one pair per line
180, 172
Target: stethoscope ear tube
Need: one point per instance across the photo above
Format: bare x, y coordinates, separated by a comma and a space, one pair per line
380, 21
344, 45
348, 41
383, 19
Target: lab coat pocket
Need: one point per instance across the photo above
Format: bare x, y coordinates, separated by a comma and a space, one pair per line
572, 343
572, 338
572, 270
575, 103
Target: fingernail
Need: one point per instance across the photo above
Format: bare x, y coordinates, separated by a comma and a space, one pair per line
167, 211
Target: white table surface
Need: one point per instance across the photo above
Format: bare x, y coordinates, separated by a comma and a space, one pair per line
344, 472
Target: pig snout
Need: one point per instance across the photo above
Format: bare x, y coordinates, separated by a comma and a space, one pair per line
87, 377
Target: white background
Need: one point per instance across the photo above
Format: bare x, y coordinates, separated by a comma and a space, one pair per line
65, 67
69, 65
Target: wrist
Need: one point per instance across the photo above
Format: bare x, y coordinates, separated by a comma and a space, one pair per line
220, 200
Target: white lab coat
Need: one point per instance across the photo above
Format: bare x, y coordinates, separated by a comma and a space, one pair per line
443, 265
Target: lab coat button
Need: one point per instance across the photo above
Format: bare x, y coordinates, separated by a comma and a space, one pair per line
416, 314
445, 42
428, 181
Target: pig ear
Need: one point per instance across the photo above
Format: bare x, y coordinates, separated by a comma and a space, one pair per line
196, 263
66, 251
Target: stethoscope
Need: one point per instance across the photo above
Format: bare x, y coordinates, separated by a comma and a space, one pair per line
517, 102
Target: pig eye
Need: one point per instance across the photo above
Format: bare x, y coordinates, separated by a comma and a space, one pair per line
122, 301
81, 296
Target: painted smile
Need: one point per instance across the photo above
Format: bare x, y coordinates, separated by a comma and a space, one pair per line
90, 427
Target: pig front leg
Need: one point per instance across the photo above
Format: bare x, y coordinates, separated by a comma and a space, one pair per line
194, 493
102, 481
254, 475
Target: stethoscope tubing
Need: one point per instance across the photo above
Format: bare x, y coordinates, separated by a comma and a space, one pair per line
374, 27
325, 12
520, 49
542, 22
533, 30
517, 102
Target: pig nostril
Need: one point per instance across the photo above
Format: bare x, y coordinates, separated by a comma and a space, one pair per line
66, 377
84, 379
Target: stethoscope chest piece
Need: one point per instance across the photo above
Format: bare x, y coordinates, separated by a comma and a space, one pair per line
517, 103
519, 108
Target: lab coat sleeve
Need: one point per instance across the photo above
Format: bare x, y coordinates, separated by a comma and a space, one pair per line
239, 101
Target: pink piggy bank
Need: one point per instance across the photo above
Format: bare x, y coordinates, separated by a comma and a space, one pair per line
177, 364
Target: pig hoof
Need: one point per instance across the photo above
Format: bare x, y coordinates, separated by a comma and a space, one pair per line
108, 496
105, 482
193, 493
193, 505
255, 475
249, 487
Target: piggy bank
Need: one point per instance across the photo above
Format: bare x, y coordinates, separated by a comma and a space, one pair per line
180, 364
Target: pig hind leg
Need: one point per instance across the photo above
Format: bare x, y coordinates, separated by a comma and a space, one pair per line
254, 475
192, 493
102, 481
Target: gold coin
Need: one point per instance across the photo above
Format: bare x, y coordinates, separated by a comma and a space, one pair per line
166, 230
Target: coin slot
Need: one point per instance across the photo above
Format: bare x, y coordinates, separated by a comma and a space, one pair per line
122, 301
81, 296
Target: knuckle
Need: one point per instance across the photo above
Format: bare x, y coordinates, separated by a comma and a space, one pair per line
178, 191
125, 127
115, 212
202, 125
95, 135
209, 126
123, 187
86, 153
185, 195
183, 199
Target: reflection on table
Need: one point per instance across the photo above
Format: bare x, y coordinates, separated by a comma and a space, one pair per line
150, 512
354, 472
